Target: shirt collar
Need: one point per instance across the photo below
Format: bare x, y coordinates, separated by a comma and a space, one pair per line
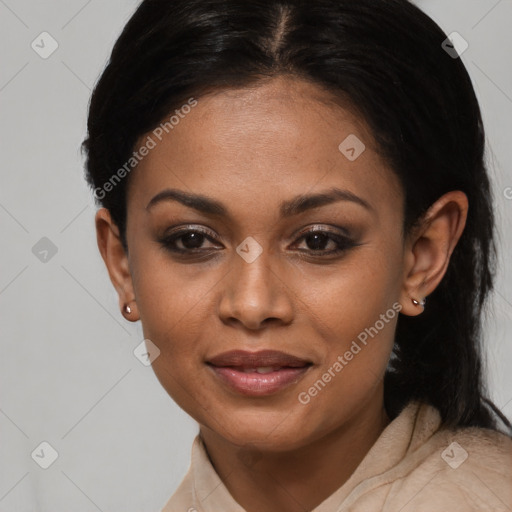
410, 429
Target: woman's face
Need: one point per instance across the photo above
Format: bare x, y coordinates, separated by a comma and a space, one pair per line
309, 282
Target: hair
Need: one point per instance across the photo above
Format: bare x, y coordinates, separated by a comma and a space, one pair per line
386, 58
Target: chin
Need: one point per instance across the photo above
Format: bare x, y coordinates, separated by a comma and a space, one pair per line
269, 431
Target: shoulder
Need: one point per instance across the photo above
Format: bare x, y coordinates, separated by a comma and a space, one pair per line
479, 460
467, 469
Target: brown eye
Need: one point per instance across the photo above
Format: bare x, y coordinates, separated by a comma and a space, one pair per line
192, 240
187, 241
317, 242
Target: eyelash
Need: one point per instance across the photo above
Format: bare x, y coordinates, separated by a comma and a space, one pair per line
344, 243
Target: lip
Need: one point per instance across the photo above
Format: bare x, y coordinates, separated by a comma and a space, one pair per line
245, 359
287, 370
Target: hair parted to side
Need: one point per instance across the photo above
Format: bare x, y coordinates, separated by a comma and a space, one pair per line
385, 58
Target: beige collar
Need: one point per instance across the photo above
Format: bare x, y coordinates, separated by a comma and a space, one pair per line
203, 491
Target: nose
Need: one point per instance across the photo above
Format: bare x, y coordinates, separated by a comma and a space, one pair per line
255, 294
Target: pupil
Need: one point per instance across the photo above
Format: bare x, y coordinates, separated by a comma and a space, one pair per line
319, 241
192, 240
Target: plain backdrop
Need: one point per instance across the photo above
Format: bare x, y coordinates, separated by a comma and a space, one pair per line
68, 375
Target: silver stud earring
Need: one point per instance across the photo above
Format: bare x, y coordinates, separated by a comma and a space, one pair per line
127, 309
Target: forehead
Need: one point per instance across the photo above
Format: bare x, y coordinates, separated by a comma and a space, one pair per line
262, 143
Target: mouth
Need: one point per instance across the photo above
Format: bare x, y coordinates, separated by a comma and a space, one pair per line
258, 373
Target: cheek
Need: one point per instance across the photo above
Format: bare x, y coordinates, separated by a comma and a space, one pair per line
172, 298
353, 295
173, 306
356, 319
358, 337
354, 312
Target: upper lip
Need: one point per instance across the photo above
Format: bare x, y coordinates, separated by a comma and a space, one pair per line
262, 358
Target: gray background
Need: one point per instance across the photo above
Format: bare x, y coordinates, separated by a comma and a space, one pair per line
68, 375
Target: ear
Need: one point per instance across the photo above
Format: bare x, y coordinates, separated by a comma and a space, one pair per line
429, 246
116, 260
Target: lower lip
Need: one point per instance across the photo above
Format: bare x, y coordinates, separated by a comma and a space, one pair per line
259, 384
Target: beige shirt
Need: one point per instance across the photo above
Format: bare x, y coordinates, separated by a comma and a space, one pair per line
414, 466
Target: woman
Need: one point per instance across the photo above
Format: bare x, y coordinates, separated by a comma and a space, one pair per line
283, 184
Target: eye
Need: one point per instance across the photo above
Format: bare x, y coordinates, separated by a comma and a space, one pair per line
319, 239
187, 240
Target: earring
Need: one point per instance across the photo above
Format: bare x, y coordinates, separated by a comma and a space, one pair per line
127, 309
420, 303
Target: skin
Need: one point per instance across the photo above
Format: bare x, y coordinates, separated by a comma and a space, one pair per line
251, 149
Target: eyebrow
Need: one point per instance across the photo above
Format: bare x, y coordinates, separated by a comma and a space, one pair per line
289, 208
